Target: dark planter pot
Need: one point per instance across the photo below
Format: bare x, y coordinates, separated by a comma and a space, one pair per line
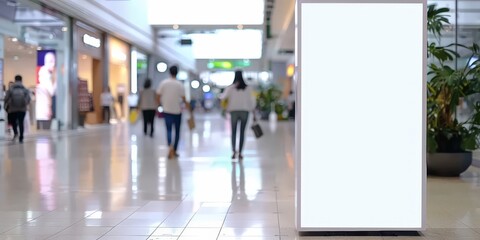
264, 115
448, 164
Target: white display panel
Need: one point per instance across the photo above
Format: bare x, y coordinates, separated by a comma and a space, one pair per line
360, 125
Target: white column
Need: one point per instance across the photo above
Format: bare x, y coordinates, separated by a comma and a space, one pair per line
3, 116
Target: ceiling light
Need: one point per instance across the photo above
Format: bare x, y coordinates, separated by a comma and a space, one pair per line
39, 48
162, 67
195, 84
205, 12
175, 26
14, 39
240, 26
223, 78
264, 76
206, 88
182, 75
64, 29
228, 44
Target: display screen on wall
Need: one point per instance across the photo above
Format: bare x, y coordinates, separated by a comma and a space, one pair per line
361, 127
46, 85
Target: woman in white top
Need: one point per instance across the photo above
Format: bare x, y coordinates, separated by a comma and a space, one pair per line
240, 102
148, 104
106, 101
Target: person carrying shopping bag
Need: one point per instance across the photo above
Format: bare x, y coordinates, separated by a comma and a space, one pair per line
241, 102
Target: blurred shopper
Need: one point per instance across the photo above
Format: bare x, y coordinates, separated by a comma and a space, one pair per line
170, 94
17, 99
148, 104
107, 101
241, 101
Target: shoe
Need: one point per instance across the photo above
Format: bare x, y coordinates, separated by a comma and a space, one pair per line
240, 156
234, 154
171, 154
14, 138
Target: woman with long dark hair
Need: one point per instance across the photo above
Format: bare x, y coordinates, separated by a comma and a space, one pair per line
240, 102
148, 104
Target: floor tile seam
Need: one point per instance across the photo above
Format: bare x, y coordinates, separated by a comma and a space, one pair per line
224, 220
8, 142
171, 212
79, 220
278, 214
121, 221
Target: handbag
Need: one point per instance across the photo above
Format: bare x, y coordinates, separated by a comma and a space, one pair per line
191, 123
257, 130
133, 117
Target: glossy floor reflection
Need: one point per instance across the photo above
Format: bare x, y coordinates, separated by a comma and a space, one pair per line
115, 183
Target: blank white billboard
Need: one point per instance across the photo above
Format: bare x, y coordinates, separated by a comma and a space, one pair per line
360, 126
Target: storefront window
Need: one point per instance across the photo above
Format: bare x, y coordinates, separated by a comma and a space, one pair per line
35, 43
119, 76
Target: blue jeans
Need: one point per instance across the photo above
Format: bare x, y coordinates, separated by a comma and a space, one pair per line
173, 119
235, 118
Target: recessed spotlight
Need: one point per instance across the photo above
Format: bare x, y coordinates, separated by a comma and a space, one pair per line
206, 88
64, 29
39, 48
175, 26
162, 67
14, 39
195, 84
240, 26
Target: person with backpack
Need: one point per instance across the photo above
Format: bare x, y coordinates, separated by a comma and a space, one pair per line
17, 99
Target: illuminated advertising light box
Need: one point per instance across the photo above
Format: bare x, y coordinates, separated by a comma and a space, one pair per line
361, 77
46, 85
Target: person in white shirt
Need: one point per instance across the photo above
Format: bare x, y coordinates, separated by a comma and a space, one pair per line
240, 102
170, 94
107, 101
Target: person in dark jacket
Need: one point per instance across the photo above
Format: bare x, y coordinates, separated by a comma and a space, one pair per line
17, 99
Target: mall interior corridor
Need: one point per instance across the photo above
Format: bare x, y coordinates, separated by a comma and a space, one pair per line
112, 182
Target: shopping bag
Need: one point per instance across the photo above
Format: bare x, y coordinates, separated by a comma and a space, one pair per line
257, 130
133, 117
191, 123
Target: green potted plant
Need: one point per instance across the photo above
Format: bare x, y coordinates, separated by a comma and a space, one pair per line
449, 139
267, 99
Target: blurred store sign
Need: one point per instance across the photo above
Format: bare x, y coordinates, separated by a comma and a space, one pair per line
227, 65
91, 41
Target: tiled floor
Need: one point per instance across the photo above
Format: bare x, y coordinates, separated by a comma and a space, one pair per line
114, 183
